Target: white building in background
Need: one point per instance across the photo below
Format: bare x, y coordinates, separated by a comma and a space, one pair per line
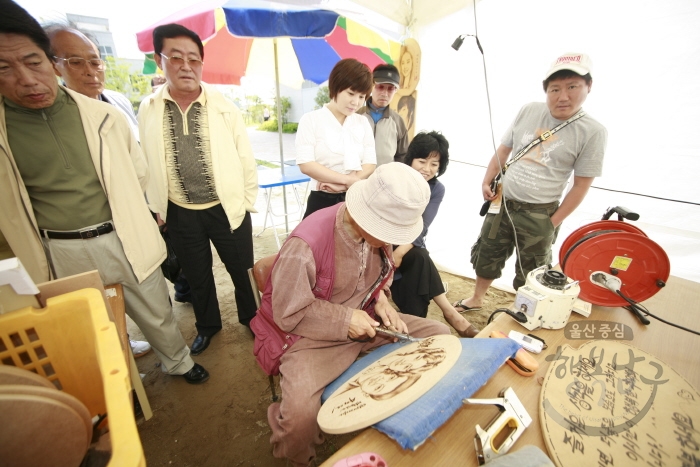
98, 28
303, 100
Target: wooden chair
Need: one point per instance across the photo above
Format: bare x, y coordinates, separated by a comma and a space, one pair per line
258, 275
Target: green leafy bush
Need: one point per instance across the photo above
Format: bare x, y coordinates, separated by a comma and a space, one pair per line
271, 125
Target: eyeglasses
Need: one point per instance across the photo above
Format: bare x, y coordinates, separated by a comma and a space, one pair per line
78, 63
180, 61
385, 87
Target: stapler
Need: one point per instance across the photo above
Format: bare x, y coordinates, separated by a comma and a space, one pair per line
502, 432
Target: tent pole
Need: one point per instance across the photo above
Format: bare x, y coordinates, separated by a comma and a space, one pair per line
279, 132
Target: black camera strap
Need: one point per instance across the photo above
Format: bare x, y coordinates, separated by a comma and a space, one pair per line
543, 137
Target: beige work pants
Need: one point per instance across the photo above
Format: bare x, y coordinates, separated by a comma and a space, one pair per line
147, 303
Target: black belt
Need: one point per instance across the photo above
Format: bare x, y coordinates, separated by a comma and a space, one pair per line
518, 206
327, 195
86, 234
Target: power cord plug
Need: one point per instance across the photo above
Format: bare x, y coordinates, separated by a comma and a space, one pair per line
518, 316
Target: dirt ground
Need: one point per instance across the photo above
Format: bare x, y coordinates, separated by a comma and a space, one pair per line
223, 422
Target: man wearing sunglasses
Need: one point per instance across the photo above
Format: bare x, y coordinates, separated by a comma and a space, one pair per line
77, 61
203, 182
390, 134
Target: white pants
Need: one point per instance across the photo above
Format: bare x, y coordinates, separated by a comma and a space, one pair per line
147, 303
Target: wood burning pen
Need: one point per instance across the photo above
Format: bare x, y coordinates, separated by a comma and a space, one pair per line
399, 335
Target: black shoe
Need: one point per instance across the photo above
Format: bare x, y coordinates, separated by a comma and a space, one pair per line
197, 375
200, 344
187, 298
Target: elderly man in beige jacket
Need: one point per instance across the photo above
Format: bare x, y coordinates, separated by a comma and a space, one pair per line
72, 187
203, 177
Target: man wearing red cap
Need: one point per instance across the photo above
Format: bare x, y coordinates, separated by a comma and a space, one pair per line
530, 213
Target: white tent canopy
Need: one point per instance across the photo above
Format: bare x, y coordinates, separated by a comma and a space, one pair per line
646, 92
646, 59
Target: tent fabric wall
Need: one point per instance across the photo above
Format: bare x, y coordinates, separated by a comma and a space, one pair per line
646, 59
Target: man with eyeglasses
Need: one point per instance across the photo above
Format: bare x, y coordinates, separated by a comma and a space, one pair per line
390, 134
73, 181
78, 63
203, 182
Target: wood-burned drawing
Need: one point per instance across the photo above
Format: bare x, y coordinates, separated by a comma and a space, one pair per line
389, 384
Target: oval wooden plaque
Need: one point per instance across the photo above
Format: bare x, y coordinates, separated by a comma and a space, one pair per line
389, 384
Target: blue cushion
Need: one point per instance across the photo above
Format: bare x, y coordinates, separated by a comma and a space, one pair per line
413, 425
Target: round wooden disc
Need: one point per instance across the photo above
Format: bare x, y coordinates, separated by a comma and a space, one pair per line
609, 400
38, 431
13, 375
389, 384
59, 396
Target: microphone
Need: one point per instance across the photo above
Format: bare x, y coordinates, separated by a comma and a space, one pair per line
460, 39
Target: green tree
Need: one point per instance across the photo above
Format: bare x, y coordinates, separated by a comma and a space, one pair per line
286, 105
140, 84
118, 77
255, 109
322, 97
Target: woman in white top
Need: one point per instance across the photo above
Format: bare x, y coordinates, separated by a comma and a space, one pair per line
335, 146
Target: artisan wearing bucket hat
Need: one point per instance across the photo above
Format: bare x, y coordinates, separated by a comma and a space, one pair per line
327, 293
389, 204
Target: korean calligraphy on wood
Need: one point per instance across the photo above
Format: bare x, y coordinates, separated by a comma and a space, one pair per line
610, 404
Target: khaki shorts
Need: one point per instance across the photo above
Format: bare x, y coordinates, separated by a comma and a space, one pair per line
535, 235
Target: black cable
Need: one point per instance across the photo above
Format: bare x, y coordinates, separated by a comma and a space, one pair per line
634, 309
646, 196
493, 138
639, 309
517, 316
468, 163
456, 161
645, 310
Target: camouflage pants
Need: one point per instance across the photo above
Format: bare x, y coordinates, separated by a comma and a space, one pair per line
534, 233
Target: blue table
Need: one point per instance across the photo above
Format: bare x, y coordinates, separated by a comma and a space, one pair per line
271, 178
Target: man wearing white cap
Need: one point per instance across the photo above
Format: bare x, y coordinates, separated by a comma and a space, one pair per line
390, 133
566, 140
327, 288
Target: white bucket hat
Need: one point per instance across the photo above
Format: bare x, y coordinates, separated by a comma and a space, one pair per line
389, 204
